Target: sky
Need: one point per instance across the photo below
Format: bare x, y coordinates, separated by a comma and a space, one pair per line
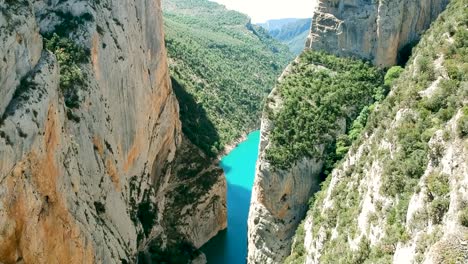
263, 10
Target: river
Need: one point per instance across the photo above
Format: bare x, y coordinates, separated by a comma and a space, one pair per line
230, 246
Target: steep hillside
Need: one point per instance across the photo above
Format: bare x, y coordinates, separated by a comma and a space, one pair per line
316, 102
290, 31
93, 163
400, 195
223, 68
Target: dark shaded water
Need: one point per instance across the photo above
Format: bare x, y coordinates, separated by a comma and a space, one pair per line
230, 246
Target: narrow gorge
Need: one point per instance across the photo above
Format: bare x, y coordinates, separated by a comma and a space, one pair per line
184, 131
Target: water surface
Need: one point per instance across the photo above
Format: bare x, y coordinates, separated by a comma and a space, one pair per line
230, 246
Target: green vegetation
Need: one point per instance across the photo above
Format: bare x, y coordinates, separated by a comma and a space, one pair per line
222, 66
321, 92
438, 190
464, 217
425, 241
462, 123
175, 253
69, 56
406, 120
392, 74
298, 251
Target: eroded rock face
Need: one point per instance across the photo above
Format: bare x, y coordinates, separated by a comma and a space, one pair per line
371, 30
279, 197
279, 201
21, 42
90, 184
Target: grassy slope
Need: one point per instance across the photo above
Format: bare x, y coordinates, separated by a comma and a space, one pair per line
222, 67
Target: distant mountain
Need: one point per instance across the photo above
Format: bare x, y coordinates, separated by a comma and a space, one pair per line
275, 24
291, 31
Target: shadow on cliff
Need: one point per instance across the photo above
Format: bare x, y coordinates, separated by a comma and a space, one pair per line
405, 53
195, 122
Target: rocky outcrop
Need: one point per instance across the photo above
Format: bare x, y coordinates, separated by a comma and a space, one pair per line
279, 197
93, 182
371, 30
279, 201
281, 194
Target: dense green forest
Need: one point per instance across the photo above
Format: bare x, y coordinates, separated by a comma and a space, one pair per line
222, 68
291, 31
319, 95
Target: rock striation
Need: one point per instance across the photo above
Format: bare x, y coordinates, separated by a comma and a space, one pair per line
373, 30
97, 182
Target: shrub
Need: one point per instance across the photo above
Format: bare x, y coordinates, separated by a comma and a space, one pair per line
463, 217
298, 251
438, 184
69, 56
392, 74
438, 208
462, 123
438, 192
426, 67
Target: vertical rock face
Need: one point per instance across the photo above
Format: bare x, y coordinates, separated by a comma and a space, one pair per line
279, 199
94, 183
371, 30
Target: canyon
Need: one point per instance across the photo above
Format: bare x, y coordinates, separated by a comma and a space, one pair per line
114, 116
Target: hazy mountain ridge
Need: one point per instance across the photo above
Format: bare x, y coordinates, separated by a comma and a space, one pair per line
291, 31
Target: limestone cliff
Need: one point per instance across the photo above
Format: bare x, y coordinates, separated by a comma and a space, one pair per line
279, 200
91, 150
302, 119
371, 30
400, 195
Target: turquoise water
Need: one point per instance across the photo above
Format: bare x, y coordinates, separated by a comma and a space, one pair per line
230, 246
